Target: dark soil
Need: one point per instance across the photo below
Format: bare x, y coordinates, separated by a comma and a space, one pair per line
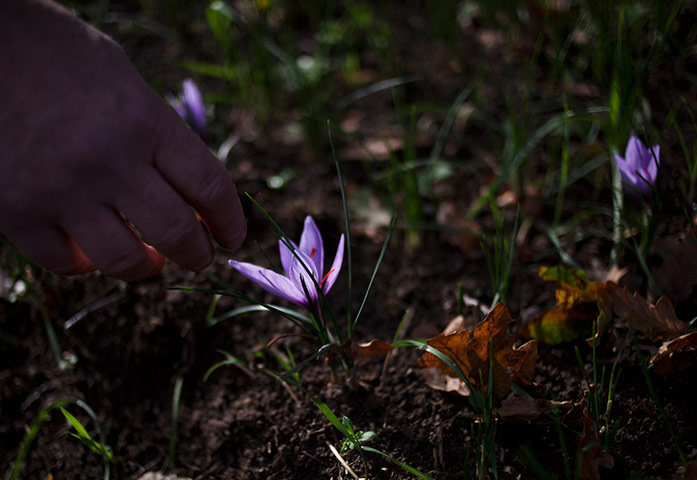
244, 424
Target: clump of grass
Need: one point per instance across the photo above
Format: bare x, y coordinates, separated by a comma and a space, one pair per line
599, 392
500, 255
100, 447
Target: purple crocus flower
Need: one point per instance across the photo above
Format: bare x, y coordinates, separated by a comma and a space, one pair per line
308, 259
638, 169
189, 105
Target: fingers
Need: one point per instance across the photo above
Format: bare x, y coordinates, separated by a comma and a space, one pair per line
200, 178
52, 249
75, 148
112, 246
166, 222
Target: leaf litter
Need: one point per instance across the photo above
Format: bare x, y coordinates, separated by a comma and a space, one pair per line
470, 351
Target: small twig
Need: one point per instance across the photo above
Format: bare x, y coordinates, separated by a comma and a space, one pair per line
342, 461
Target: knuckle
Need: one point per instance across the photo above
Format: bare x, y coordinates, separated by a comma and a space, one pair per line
214, 190
179, 234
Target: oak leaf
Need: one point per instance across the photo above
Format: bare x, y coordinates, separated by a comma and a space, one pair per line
650, 321
469, 350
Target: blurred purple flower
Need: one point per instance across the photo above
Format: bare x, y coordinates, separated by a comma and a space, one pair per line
638, 169
189, 105
308, 259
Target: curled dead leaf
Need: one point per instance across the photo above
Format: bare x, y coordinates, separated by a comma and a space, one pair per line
433, 378
469, 350
590, 454
676, 354
359, 351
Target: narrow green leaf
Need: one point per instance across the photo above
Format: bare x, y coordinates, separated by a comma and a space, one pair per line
402, 465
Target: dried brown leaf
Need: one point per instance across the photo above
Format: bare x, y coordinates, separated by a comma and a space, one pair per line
650, 321
359, 351
676, 354
524, 362
590, 454
433, 378
470, 351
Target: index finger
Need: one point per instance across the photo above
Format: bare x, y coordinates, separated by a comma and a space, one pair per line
201, 179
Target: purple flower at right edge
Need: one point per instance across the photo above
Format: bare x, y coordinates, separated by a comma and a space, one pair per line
638, 169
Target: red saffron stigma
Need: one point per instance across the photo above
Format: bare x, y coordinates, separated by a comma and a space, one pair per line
312, 252
325, 277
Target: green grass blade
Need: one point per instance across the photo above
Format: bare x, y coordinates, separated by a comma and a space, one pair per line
375, 270
402, 465
44, 415
229, 360
548, 127
299, 320
31, 435
376, 87
347, 222
326, 411
258, 308
176, 398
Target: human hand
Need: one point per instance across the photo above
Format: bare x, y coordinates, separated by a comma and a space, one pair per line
98, 172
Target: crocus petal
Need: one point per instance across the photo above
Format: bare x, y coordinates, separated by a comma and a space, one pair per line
635, 153
639, 169
652, 167
336, 266
311, 244
191, 96
634, 184
303, 271
272, 282
286, 254
626, 170
177, 105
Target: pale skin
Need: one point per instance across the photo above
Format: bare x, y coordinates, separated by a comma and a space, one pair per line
97, 172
